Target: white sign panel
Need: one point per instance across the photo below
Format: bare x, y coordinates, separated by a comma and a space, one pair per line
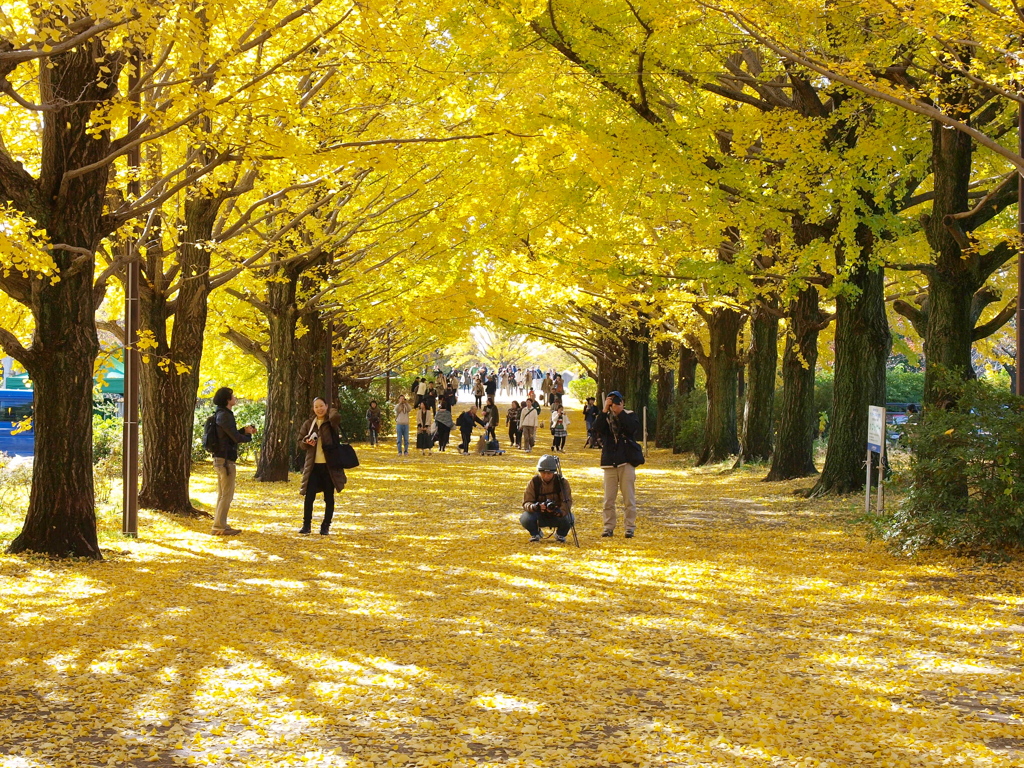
876, 427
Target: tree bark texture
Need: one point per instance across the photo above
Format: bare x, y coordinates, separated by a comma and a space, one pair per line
954, 279
168, 399
310, 348
637, 385
61, 519
721, 365
686, 378
278, 439
664, 426
760, 396
794, 456
611, 369
862, 345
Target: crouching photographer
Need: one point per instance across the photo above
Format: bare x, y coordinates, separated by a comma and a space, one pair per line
547, 502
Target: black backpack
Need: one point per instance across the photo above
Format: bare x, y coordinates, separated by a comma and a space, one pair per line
211, 437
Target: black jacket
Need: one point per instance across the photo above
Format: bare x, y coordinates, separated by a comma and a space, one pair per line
614, 452
228, 436
466, 419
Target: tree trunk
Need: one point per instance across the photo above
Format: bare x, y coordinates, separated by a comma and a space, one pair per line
955, 277
636, 389
722, 365
760, 396
61, 517
862, 346
664, 426
278, 439
611, 370
168, 399
687, 374
795, 454
309, 378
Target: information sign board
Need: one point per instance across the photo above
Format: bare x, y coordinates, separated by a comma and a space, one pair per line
876, 427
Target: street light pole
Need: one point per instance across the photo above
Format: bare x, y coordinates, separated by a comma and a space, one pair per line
1019, 362
132, 358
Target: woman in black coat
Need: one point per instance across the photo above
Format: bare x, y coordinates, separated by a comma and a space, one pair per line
318, 431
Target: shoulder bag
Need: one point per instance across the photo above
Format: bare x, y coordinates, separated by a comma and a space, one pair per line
340, 455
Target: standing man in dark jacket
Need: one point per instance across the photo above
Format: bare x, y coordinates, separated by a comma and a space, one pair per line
615, 425
224, 458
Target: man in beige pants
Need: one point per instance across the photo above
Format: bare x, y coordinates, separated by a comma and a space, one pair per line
224, 457
616, 426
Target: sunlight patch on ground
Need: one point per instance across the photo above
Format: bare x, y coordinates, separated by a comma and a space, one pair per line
742, 627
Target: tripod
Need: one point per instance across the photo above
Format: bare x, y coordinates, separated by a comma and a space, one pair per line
558, 474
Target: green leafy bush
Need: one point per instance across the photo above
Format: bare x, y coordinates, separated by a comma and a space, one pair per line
15, 483
687, 416
246, 412
582, 388
107, 438
903, 386
964, 487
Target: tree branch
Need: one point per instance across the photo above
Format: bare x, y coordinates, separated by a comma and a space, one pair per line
1002, 318
14, 348
248, 346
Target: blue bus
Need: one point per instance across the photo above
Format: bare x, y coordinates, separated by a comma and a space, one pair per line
15, 407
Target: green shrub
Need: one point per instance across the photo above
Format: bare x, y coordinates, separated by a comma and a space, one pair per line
246, 412
107, 438
15, 484
582, 388
688, 415
354, 403
903, 386
824, 384
964, 484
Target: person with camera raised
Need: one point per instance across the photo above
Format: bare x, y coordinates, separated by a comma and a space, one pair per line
619, 430
547, 502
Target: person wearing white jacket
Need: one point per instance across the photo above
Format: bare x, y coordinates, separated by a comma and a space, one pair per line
528, 420
559, 428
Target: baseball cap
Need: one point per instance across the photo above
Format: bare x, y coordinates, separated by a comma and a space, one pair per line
616, 396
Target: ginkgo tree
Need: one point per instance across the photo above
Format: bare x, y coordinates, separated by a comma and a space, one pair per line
73, 79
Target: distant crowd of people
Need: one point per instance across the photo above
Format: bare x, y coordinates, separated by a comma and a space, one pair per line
430, 402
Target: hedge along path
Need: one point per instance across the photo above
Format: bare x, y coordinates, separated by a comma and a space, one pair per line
743, 627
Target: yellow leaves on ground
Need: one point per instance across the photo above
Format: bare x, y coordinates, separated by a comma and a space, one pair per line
743, 627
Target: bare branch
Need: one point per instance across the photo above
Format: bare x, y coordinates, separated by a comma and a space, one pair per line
248, 346
10, 344
1002, 318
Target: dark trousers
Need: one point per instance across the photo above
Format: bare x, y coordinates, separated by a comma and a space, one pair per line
558, 443
513, 434
319, 480
534, 521
442, 435
479, 400
467, 437
373, 436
